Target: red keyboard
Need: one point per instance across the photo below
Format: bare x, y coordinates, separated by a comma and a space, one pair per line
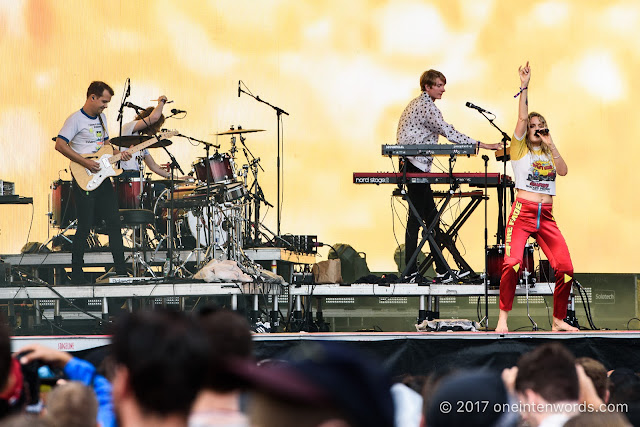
473, 179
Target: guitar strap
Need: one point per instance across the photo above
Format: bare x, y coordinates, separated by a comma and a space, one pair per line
104, 130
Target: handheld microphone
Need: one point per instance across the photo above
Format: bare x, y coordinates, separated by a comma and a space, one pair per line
539, 132
134, 106
239, 90
475, 107
176, 111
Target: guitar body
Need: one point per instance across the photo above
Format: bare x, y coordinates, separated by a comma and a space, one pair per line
88, 180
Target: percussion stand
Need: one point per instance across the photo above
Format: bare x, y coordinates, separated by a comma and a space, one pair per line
211, 244
172, 167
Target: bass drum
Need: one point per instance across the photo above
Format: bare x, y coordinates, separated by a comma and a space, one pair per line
222, 225
495, 261
63, 204
130, 192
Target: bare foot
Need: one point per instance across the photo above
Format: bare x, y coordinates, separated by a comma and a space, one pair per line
502, 327
561, 325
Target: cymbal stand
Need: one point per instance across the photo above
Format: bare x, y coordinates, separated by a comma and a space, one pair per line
172, 167
208, 226
258, 195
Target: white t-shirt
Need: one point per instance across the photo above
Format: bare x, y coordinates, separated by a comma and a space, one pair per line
133, 164
533, 171
84, 133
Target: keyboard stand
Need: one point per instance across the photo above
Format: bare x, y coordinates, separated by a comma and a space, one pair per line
428, 229
447, 237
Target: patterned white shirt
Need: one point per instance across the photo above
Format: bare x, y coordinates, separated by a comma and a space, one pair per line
421, 122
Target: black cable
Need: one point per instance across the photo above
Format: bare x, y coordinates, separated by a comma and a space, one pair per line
39, 282
633, 318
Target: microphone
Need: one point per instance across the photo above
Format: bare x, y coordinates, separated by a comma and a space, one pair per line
128, 88
176, 111
239, 90
475, 107
539, 132
134, 106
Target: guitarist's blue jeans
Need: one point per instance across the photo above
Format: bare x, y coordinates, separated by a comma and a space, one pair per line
100, 203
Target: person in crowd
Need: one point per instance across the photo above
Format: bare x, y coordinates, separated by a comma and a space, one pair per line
160, 366
12, 391
598, 374
85, 132
218, 403
487, 396
72, 404
547, 377
536, 161
421, 122
25, 420
599, 419
75, 369
322, 384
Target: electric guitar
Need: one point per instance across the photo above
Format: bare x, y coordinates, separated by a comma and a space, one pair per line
89, 181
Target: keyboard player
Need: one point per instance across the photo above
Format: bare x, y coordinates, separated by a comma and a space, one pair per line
421, 122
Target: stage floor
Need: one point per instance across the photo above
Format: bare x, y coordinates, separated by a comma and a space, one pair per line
413, 353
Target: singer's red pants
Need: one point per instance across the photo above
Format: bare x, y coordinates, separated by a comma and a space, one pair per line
529, 218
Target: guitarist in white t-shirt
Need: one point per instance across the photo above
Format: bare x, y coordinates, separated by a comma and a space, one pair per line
85, 132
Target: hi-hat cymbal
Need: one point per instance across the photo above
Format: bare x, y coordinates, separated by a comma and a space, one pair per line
128, 141
235, 131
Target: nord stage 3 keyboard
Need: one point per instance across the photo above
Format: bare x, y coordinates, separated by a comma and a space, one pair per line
429, 149
473, 179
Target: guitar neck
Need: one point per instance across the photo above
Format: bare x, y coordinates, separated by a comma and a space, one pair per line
152, 140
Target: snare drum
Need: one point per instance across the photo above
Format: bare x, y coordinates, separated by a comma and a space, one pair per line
220, 167
63, 204
234, 191
129, 192
495, 261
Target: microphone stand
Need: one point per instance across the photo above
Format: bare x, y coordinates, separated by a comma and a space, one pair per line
502, 194
502, 210
279, 113
486, 244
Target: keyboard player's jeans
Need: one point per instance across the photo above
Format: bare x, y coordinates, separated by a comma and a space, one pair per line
422, 198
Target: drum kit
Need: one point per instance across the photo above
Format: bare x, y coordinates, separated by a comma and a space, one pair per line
209, 214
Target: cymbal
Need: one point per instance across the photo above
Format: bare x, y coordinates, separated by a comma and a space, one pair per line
129, 140
237, 131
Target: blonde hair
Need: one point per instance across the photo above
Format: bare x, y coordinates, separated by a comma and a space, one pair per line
428, 78
540, 117
154, 127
